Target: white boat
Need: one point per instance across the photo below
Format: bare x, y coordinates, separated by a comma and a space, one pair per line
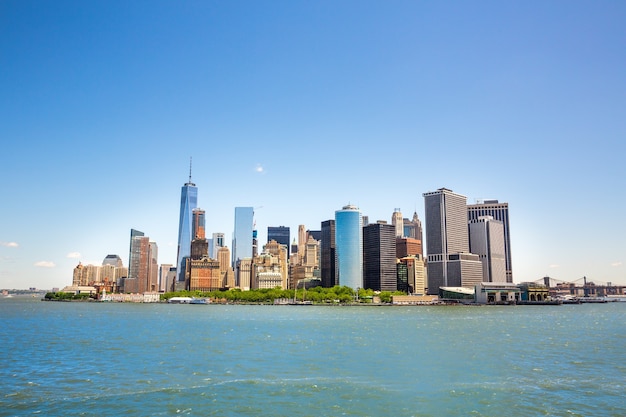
180, 300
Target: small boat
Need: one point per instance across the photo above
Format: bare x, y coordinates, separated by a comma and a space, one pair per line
195, 300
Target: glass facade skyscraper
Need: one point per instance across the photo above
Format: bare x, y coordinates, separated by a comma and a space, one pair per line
188, 202
349, 247
243, 234
280, 234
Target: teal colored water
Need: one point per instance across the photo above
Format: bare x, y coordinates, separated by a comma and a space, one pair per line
159, 360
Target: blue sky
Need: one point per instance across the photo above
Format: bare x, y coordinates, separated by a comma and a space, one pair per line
300, 107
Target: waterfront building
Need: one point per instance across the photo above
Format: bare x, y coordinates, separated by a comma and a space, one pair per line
416, 273
79, 277
138, 263
349, 247
270, 267
280, 261
281, 235
204, 275
379, 257
487, 241
269, 280
398, 222
532, 291
188, 202
450, 263
496, 293
327, 249
500, 212
243, 234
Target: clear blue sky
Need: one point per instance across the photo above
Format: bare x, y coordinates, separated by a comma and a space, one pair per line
300, 107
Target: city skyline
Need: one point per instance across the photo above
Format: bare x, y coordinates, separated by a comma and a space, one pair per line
297, 109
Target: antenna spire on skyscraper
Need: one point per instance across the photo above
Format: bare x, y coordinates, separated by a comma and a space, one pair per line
189, 182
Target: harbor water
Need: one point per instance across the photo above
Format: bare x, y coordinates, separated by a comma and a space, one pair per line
121, 359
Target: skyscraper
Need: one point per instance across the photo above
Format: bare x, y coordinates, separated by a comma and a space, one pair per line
379, 257
226, 270
398, 222
349, 247
188, 202
153, 267
280, 234
198, 224
500, 212
487, 241
138, 263
301, 240
405, 246
327, 249
243, 234
113, 260
450, 263
164, 271
413, 227
217, 243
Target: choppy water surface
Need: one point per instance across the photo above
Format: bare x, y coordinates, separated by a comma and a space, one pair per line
142, 359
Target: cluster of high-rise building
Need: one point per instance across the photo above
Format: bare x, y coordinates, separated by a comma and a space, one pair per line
465, 245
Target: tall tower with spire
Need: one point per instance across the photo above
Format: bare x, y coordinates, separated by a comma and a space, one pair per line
188, 202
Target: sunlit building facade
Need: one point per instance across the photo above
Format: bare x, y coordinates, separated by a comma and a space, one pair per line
349, 247
243, 234
215, 244
499, 211
138, 263
450, 263
487, 241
